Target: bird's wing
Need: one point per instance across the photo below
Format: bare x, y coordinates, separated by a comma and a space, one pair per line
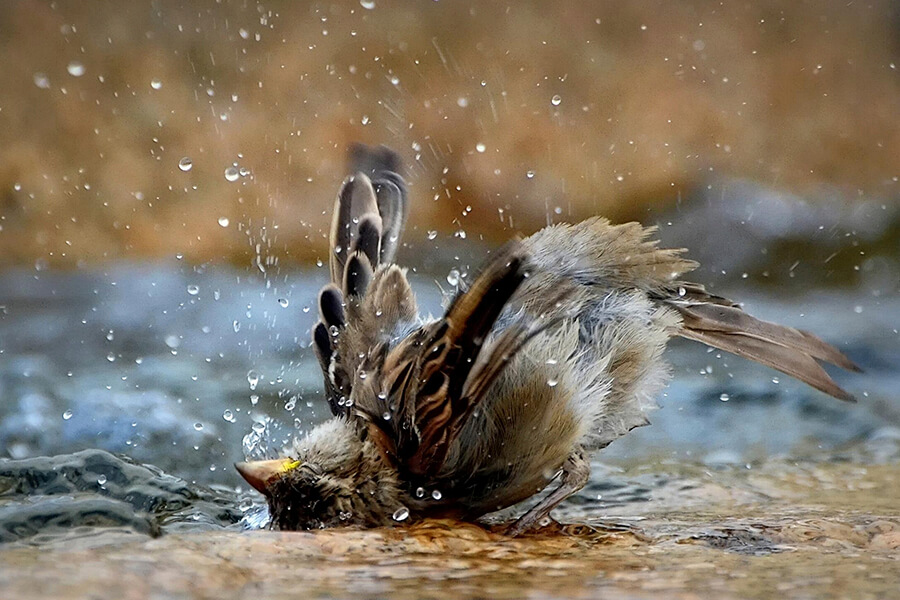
368, 295
432, 381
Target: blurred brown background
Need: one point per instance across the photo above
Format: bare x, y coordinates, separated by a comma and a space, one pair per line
523, 111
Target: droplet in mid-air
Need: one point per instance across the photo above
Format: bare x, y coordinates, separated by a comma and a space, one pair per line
284, 302
252, 379
67, 415
186, 164
156, 84
232, 174
193, 289
556, 100
224, 222
75, 69
401, 514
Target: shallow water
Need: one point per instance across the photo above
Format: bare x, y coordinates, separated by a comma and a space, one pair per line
807, 530
746, 481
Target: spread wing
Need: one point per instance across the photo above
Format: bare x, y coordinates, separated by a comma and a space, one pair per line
425, 388
368, 295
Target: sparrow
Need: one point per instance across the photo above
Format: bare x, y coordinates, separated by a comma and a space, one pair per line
553, 351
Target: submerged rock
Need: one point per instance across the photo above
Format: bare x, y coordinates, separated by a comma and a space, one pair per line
94, 488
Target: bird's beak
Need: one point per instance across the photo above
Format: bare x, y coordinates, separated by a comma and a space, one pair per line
259, 472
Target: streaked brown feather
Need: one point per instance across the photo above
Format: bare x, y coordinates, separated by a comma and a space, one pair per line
720, 323
445, 357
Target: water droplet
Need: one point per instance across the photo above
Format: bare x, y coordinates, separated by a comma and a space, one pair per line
556, 100
193, 289
252, 379
67, 415
724, 397
552, 382
682, 291
432, 235
254, 399
436, 494
367, 4
386, 416
111, 357
232, 174
529, 174
480, 148
284, 302
172, 341
774, 380
198, 426
453, 277
101, 479
401, 514
236, 325
156, 84
223, 221
186, 164
42, 81
228, 416
75, 69
420, 492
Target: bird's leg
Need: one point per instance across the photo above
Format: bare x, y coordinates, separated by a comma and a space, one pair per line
575, 475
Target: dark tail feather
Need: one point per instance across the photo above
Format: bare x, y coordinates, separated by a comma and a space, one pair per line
355, 199
383, 167
785, 349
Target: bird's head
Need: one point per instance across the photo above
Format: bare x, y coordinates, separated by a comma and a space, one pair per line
332, 478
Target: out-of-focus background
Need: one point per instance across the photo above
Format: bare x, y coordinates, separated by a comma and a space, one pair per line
509, 115
167, 173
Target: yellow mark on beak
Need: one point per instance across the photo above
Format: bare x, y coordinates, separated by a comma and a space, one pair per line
259, 473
